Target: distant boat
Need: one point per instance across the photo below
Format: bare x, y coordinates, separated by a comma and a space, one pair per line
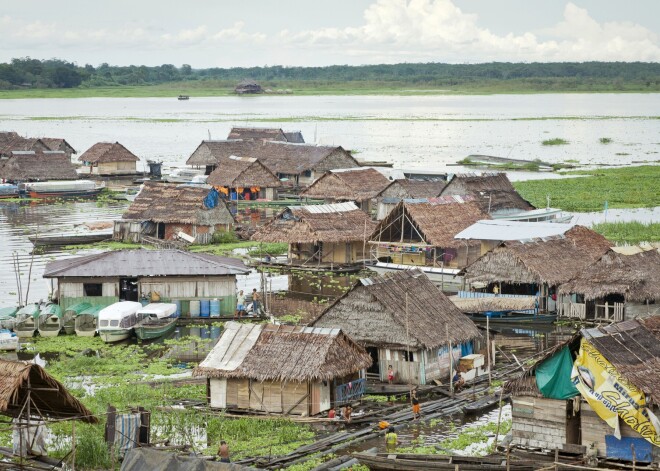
87, 320
155, 320
71, 238
26, 320
183, 97
8, 340
70, 314
8, 190
116, 321
182, 175
63, 188
50, 321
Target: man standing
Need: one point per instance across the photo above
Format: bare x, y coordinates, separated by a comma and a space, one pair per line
223, 452
255, 302
240, 304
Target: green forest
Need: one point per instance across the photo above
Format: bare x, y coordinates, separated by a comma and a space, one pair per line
34, 74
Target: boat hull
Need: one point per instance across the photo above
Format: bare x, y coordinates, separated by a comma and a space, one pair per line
49, 332
8, 344
25, 332
515, 319
441, 277
150, 332
85, 333
64, 194
110, 336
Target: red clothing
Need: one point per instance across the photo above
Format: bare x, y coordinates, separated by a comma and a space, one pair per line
331, 414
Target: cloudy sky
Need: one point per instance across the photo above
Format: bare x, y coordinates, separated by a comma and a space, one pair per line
207, 33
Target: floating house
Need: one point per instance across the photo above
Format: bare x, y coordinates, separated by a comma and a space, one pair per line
421, 233
405, 188
59, 144
537, 266
244, 178
320, 235
404, 320
247, 87
361, 185
108, 158
565, 400
164, 211
281, 369
266, 134
614, 288
11, 141
31, 166
297, 165
492, 191
130, 275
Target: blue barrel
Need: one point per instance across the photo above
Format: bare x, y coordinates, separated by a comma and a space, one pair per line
194, 308
215, 331
178, 307
204, 307
215, 308
205, 333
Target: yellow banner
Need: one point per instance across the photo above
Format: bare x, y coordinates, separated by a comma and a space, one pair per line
611, 395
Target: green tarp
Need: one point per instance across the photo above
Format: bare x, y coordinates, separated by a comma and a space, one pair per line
553, 376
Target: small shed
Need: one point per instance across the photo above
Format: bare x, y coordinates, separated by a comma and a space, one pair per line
266, 134
538, 266
330, 235
248, 86
492, 191
282, 369
614, 288
31, 166
421, 232
361, 185
405, 188
109, 158
244, 178
404, 320
130, 275
163, 211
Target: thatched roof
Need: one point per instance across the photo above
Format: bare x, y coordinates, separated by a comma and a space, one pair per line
248, 86
342, 222
636, 277
491, 190
407, 188
400, 309
108, 152
183, 204
48, 395
279, 157
143, 262
266, 134
57, 143
283, 353
37, 166
437, 220
499, 303
355, 185
554, 260
242, 172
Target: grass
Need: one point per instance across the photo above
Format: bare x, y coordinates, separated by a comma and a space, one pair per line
629, 232
605, 140
557, 141
627, 187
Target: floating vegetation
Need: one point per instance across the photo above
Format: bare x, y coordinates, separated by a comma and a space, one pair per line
605, 140
629, 232
557, 141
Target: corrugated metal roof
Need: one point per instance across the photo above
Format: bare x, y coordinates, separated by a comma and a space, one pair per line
331, 208
140, 263
512, 230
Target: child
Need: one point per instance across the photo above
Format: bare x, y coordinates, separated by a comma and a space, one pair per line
240, 304
415, 405
390, 374
391, 439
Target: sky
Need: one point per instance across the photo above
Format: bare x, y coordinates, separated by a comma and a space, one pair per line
221, 33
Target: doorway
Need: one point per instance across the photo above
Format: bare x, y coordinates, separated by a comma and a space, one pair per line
128, 289
160, 230
375, 367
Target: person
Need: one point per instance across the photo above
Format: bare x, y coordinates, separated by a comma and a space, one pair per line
240, 304
331, 413
347, 414
255, 302
390, 374
223, 452
415, 405
391, 440
496, 290
458, 379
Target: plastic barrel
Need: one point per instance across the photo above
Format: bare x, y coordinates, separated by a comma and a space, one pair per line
194, 308
144, 301
178, 307
205, 333
215, 308
215, 332
204, 307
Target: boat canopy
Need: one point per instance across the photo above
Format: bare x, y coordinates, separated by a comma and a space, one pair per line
159, 310
118, 311
64, 185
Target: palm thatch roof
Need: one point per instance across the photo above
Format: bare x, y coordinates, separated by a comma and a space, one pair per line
11, 141
492, 190
38, 166
554, 260
242, 172
248, 86
401, 309
407, 188
342, 222
436, 220
352, 185
20, 378
266, 134
283, 353
108, 152
166, 203
636, 277
57, 143
279, 157
499, 303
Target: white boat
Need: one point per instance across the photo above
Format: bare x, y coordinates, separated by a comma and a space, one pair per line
62, 188
8, 340
537, 215
156, 311
183, 175
116, 322
444, 278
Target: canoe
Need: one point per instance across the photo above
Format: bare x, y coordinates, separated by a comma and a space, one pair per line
150, 328
60, 239
8, 317
393, 461
26, 321
8, 340
50, 321
63, 188
85, 321
69, 318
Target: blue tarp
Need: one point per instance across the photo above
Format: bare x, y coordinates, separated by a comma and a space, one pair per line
211, 200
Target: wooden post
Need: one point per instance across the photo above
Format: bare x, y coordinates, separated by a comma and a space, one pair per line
499, 420
490, 377
556, 458
73, 440
634, 458
451, 362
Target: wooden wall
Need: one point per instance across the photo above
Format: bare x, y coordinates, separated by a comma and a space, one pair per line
110, 168
190, 287
271, 396
404, 371
73, 287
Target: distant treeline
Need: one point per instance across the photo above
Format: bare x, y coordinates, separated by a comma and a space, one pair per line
55, 73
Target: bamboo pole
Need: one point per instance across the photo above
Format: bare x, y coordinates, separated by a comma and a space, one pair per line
499, 420
490, 377
36, 239
451, 362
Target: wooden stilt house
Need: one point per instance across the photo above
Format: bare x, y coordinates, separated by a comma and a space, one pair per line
406, 188
243, 178
405, 321
283, 369
109, 158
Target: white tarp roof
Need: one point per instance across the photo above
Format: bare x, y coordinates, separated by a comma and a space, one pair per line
512, 230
